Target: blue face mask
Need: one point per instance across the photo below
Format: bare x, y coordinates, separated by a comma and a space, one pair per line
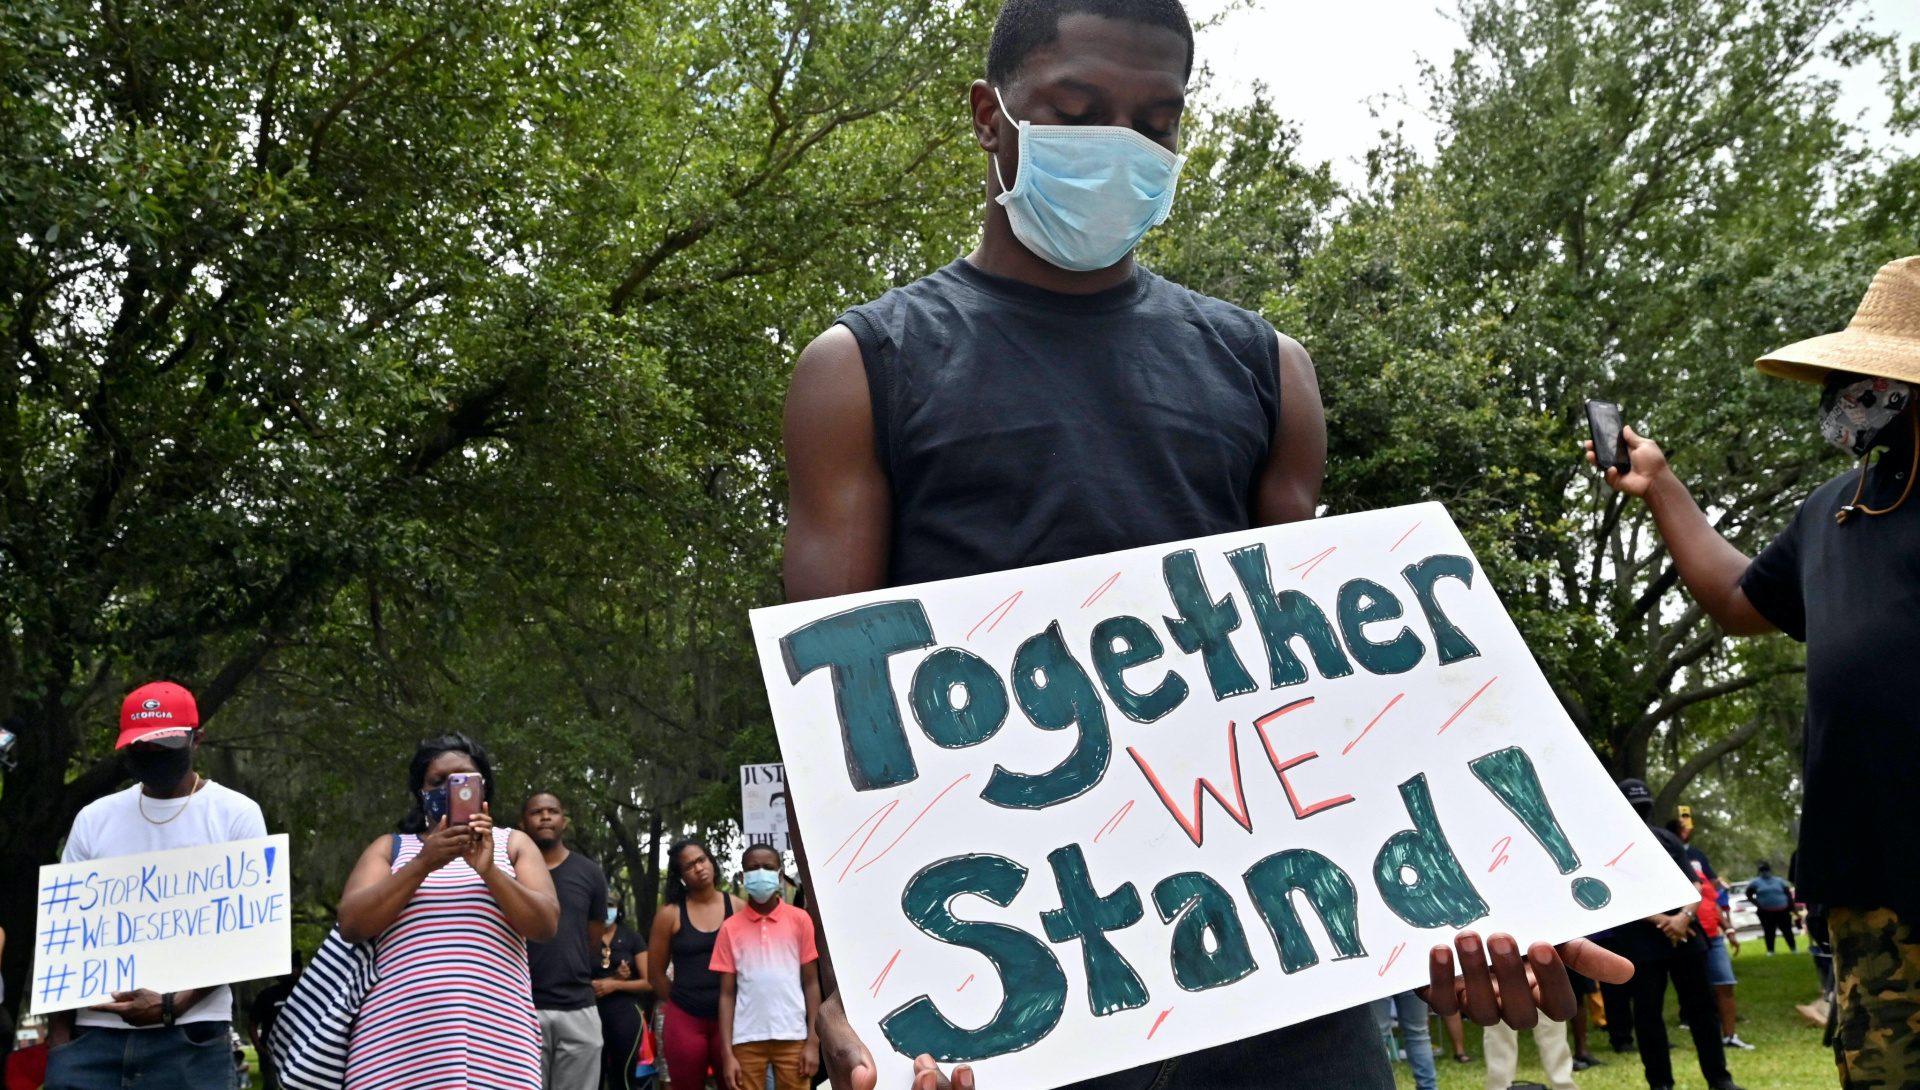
613, 914
1086, 194
761, 885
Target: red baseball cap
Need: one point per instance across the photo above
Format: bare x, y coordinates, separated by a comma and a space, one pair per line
155, 712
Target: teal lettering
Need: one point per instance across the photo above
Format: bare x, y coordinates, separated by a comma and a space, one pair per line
1451, 643
1205, 911
1330, 893
1033, 988
1055, 693
1121, 643
1510, 775
1112, 985
1284, 618
855, 646
1417, 873
1204, 625
973, 719
1363, 602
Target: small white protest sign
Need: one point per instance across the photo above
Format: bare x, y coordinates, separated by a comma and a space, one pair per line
167, 921
1075, 818
763, 805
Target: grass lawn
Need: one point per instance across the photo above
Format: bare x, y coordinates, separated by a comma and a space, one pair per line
1788, 1053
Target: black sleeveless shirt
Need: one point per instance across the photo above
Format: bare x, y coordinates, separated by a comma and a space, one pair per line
1020, 426
696, 987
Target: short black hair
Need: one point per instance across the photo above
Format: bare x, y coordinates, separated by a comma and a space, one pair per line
1026, 25
554, 795
763, 846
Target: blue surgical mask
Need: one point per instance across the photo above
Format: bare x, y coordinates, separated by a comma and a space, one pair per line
613, 914
1086, 194
761, 884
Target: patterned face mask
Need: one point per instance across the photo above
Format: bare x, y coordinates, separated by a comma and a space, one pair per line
1855, 410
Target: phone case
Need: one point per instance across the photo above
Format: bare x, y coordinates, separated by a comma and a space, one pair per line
466, 792
1605, 422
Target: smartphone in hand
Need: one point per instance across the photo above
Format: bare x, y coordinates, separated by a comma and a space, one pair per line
466, 794
1609, 444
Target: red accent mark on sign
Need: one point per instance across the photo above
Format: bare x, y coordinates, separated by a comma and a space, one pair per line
880, 815
1500, 853
1313, 562
855, 857
1260, 724
1157, 1021
1391, 958
915, 821
882, 978
964, 983
997, 614
1369, 726
1462, 708
1404, 537
1622, 855
1104, 587
1113, 822
1280, 769
1196, 829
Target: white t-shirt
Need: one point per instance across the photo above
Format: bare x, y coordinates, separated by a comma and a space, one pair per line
115, 825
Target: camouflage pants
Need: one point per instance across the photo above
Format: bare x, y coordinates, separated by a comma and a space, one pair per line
1876, 1016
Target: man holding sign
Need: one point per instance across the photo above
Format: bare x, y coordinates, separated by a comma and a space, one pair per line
161, 1041
1044, 399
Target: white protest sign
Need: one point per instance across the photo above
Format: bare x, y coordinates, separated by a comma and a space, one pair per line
1071, 819
168, 921
763, 805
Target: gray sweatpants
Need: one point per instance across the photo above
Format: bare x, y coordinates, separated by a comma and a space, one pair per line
570, 1049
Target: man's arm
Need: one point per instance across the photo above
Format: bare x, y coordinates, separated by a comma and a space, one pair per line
840, 504
1709, 564
839, 513
1289, 485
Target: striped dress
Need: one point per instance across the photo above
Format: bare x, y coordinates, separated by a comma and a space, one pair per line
453, 1006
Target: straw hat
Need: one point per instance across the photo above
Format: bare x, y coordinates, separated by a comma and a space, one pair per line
1883, 340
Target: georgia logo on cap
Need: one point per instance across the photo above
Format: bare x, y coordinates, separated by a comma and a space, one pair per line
151, 704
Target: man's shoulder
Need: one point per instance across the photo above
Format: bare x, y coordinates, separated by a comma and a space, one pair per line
942, 283
584, 865
1220, 313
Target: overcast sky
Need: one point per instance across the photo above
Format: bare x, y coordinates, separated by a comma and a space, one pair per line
1322, 60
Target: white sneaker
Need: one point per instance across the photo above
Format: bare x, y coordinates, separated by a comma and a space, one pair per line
1735, 1042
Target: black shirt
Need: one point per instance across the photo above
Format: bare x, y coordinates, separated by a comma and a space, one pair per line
563, 967
1020, 426
266, 1005
1851, 592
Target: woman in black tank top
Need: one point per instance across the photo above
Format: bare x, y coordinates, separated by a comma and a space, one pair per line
690, 1038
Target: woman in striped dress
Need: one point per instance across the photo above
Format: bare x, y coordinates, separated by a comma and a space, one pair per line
453, 908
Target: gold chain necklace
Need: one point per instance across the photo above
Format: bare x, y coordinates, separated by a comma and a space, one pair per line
141, 802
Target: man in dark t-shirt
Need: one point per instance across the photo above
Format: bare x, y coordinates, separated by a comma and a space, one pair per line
562, 968
1844, 578
1045, 398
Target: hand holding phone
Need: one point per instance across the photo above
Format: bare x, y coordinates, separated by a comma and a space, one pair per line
1609, 442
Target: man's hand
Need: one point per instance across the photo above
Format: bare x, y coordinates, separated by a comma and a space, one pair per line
1677, 925
1516, 990
1648, 463
927, 1075
849, 1064
136, 1008
810, 1058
